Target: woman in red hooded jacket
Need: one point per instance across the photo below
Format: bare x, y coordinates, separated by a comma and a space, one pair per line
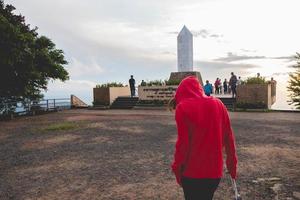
203, 130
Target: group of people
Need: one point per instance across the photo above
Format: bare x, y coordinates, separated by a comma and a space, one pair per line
226, 87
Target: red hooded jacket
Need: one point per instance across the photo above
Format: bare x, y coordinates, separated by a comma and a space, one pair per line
203, 130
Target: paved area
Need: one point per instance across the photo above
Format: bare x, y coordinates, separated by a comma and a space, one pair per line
121, 154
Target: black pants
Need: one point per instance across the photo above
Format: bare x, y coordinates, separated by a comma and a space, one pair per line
199, 189
132, 90
233, 90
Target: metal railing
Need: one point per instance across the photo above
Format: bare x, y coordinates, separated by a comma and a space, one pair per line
26, 107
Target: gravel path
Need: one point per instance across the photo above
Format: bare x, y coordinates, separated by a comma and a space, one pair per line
121, 154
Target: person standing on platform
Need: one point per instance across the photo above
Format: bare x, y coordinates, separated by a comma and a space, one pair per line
217, 84
143, 83
132, 86
232, 84
225, 86
208, 89
220, 86
239, 81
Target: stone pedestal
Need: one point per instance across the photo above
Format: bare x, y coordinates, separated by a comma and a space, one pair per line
178, 76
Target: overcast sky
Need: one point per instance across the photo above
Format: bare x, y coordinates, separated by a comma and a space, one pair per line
107, 40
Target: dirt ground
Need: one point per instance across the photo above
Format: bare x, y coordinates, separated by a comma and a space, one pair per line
122, 154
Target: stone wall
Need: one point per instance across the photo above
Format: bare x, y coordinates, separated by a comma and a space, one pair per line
255, 93
101, 96
106, 95
115, 92
161, 93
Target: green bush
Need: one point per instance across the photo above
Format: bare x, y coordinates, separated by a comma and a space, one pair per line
255, 80
111, 84
161, 82
155, 83
172, 82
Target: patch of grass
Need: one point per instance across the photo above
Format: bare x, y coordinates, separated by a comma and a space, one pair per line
63, 126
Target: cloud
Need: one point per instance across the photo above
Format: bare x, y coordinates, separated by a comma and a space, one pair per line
280, 74
234, 57
77, 69
231, 57
204, 33
290, 58
217, 65
210, 70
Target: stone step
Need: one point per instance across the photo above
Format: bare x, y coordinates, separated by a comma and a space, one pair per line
124, 103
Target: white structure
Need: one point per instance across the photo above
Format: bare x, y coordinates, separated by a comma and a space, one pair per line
185, 50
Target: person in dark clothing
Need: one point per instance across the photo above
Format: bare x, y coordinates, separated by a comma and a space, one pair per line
132, 85
232, 83
225, 86
143, 83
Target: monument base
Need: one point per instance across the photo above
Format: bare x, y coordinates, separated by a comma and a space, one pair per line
179, 76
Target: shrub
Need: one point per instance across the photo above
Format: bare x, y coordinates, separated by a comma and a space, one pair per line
111, 84
155, 83
172, 82
255, 80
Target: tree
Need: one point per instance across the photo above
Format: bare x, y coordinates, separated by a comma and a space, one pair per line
294, 84
27, 61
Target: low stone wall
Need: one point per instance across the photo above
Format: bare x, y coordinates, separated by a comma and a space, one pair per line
101, 96
77, 103
160, 93
115, 92
255, 94
106, 95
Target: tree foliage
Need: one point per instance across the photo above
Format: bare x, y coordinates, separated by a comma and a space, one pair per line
27, 61
294, 84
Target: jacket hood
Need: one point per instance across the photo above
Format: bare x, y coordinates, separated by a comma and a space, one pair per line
188, 88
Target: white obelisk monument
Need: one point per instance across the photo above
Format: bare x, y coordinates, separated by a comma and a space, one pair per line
185, 50
185, 57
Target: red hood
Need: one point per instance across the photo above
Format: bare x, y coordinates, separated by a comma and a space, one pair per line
189, 87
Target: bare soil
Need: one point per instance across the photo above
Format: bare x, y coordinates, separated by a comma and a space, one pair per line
123, 154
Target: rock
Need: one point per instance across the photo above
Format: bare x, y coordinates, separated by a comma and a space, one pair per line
276, 188
272, 179
296, 195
